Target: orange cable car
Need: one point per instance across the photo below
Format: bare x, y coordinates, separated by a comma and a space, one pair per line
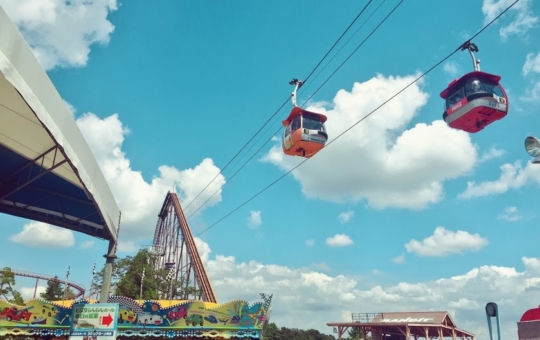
305, 133
475, 100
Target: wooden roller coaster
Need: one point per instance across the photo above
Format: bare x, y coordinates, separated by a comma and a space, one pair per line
176, 249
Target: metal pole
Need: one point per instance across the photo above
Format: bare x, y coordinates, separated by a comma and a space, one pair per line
142, 279
107, 272
35, 288
67, 286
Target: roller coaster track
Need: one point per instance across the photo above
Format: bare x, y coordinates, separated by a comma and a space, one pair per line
176, 245
79, 289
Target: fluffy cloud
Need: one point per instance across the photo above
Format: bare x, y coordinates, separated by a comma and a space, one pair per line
531, 68
28, 292
399, 259
43, 235
513, 176
307, 297
254, 219
339, 240
451, 68
379, 160
61, 32
445, 242
532, 64
510, 214
346, 216
522, 19
491, 154
87, 244
138, 199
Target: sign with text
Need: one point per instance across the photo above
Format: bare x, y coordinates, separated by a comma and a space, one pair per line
94, 321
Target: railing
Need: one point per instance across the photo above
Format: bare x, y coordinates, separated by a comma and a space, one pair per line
365, 317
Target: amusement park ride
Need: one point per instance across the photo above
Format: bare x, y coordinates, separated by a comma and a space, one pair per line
476, 99
472, 102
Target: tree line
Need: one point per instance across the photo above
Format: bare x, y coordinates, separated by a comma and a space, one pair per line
127, 276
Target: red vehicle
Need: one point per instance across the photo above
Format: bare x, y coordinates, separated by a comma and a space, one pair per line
475, 100
13, 314
177, 313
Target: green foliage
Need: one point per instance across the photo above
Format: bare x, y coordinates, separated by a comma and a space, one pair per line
7, 281
355, 334
272, 332
127, 275
54, 291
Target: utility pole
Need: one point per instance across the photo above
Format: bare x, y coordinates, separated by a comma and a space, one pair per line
67, 280
142, 279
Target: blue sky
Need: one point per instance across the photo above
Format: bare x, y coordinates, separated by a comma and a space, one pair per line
400, 213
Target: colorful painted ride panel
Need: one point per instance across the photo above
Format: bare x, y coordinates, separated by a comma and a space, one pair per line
134, 316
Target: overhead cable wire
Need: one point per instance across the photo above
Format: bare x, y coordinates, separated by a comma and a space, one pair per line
361, 119
268, 140
342, 46
353, 52
282, 105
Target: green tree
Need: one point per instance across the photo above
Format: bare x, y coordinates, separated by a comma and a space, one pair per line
355, 333
54, 290
7, 282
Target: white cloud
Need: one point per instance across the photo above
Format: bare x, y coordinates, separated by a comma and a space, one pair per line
61, 32
27, 293
510, 214
490, 154
310, 299
43, 235
445, 242
310, 242
138, 199
339, 240
513, 176
391, 167
87, 244
254, 220
451, 68
127, 246
399, 259
346, 216
521, 21
532, 64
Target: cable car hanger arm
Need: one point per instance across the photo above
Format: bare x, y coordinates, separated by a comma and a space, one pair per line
471, 47
297, 84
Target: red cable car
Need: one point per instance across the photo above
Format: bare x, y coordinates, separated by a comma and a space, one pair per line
475, 100
305, 133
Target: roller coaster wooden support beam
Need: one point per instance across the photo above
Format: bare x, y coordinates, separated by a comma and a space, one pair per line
174, 241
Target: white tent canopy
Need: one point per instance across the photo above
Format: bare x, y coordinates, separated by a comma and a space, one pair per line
47, 171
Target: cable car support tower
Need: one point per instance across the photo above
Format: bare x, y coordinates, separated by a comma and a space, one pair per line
176, 251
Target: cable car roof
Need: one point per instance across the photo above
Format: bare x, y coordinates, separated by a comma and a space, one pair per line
47, 170
456, 82
297, 111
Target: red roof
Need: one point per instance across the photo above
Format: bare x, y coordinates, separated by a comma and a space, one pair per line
483, 75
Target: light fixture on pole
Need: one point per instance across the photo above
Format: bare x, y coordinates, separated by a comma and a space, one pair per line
532, 146
492, 311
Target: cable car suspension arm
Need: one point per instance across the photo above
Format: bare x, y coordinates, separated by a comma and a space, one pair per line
297, 84
471, 47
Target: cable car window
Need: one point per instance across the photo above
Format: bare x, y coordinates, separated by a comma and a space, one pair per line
295, 125
474, 85
497, 90
455, 98
313, 122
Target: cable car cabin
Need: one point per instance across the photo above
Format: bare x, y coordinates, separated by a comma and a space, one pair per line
474, 101
304, 134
